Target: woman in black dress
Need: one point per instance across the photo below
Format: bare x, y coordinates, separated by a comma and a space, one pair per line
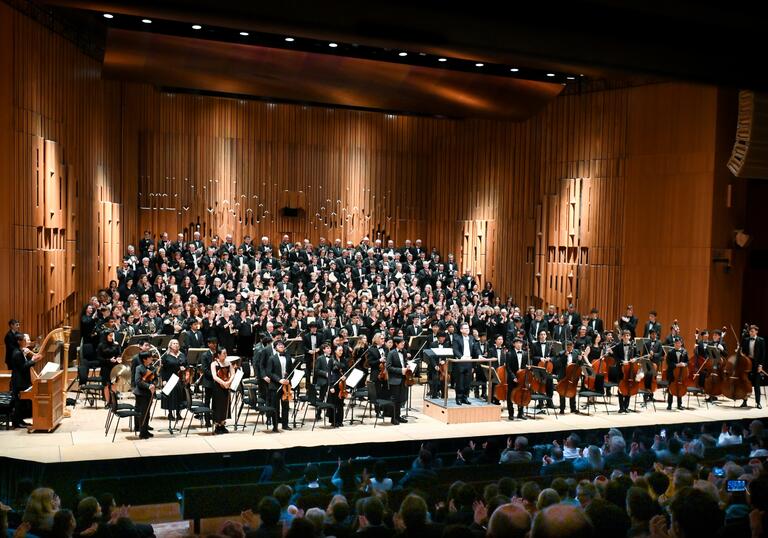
172, 362
222, 377
108, 354
336, 369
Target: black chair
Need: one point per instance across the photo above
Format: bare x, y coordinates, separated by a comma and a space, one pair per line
314, 402
197, 411
119, 414
696, 392
91, 390
119, 406
374, 402
645, 392
258, 405
6, 409
592, 396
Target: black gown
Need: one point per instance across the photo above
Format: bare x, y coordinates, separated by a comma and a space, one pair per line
172, 365
220, 398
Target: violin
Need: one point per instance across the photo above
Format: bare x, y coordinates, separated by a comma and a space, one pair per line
383, 373
442, 371
287, 393
342, 388
223, 374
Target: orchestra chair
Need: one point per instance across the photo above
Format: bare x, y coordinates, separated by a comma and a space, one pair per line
592, 397
92, 389
374, 401
537, 397
314, 402
258, 405
199, 411
359, 396
610, 385
697, 392
115, 404
6, 409
119, 414
643, 392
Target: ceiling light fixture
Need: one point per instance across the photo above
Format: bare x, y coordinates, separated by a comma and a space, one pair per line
402, 54
196, 27
571, 78
146, 21
550, 74
442, 59
332, 45
244, 34
514, 70
109, 16
289, 39
478, 64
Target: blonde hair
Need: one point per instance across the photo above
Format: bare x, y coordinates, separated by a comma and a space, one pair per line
41, 506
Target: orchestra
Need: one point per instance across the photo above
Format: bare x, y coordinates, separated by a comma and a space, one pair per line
396, 315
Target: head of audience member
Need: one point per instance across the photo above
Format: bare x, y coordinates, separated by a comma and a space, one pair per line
561, 521
510, 520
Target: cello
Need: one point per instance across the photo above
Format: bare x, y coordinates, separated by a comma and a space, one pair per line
678, 385
631, 377
521, 395
568, 386
500, 390
600, 368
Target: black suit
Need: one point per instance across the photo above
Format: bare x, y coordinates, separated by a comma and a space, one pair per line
656, 326
537, 354
755, 352
595, 326
561, 333
513, 362
674, 358
622, 353
536, 328
275, 371
462, 372
396, 361
306, 341
21, 379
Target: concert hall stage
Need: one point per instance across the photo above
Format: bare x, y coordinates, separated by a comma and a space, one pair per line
81, 437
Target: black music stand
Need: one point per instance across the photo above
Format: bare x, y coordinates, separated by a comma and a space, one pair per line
541, 375
161, 341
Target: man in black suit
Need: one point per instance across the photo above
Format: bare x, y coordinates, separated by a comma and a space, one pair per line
651, 325
464, 347
192, 337
628, 321
623, 352
396, 367
595, 324
434, 363
321, 373
278, 369
562, 331
572, 318
754, 347
11, 342
516, 359
541, 350
311, 341
568, 356
537, 325
677, 356
375, 355
207, 381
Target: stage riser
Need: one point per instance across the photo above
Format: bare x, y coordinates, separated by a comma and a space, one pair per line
466, 414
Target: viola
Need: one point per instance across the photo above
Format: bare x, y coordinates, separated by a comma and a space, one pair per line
287, 393
223, 374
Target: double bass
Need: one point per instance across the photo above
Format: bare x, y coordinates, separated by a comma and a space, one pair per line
735, 382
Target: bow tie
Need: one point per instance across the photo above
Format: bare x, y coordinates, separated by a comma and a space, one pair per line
752, 339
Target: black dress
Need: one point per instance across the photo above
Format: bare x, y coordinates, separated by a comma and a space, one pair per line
105, 352
220, 398
171, 365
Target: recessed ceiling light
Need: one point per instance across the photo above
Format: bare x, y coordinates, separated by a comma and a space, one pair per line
514, 70
332, 45
442, 59
550, 74
571, 78
109, 16
196, 27
402, 54
146, 21
478, 64
289, 39
243, 33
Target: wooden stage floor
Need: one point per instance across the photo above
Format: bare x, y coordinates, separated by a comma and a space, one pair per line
81, 437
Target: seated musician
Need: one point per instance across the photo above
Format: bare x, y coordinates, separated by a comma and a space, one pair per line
20, 362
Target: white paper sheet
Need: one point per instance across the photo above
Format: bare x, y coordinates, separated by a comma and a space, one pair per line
354, 378
296, 378
170, 384
49, 368
236, 380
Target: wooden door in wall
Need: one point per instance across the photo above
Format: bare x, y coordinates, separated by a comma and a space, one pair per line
478, 249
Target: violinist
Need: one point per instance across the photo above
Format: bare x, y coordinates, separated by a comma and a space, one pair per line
568, 356
336, 369
678, 355
753, 346
516, 359
278, 367
625, 351
206, 379
144, 345
322, 370
628, 322
396, 367
594, 324
222, 373
376, 356
434, 363
143, 390
542, 351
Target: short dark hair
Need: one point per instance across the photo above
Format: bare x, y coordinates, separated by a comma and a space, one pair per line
640, 505
607, 518
373, 509
269, 510
658, 481
696, 512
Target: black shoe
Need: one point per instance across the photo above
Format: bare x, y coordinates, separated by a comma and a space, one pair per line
562, 411
496, 402
743, 404
510, 417
550, 406
759, 406
458, 402
394, 422
287, 428
145, 435
224, 429
150, 428
522, 417
404, 420
681, 408
669, 408
466, 402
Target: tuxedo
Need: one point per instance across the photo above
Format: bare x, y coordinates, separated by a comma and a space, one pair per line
629, 325
463, 371
561, 333
513, 362
675, 357
191, 339
539, 351
396, 361
595, 326
535, 328
278, 367
755, 350
621, 353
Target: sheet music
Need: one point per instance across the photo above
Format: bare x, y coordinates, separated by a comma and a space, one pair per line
411, 365
170, 384
296, 378
238, 377
49, 368
354, 377
442, 351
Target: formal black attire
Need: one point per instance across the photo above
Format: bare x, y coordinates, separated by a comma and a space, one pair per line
143, 394
206, 381
335, 371
170, 365
674, 357
322, 375
514, 361
278, 367
105, 352
220, 397
621, 353
755, 350
396, 361
539, 351
21, 380
463, 371
561, 364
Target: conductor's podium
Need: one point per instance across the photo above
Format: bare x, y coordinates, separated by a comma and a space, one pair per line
452, 413
46, 395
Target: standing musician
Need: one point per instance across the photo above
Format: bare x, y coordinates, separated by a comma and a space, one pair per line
108, 353
322, 372
222, 374
336, 368
464, 347
144, 345
651, 325
481, 380
21, 362
628, 321
753, 346
561, 332
582, 340
542, 351
536, 326
655, 350
206, 360
278, 367
623, 353
595, 324
497, 351
192, 337
311, 342
568, 356
677, 356
434, 364
144, 391
516, 359
173, 362
396, 367
375, 356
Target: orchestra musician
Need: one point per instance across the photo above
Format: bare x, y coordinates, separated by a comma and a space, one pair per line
569, 355
753, 346
628, 321
655, 350
336, 369
322, 373
541, 350
108, 353
21, 362
278, 367
651, 325
624, 352
481, 380
375, 356
464, 347
173, 362
222, 372
434, 363
396, 367
143, 391
676, 356
516, 359
595, 324
206, 379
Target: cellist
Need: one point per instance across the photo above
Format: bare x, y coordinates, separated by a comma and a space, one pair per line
497, 351
516, 359
753, 346
653, 348
625, 351
568, 356
541, 350
677, 356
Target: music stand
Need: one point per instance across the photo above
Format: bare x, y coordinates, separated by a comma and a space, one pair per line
641, 342
136, 339
470, 361
194, 355
557, 347
294, 347
161, 341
